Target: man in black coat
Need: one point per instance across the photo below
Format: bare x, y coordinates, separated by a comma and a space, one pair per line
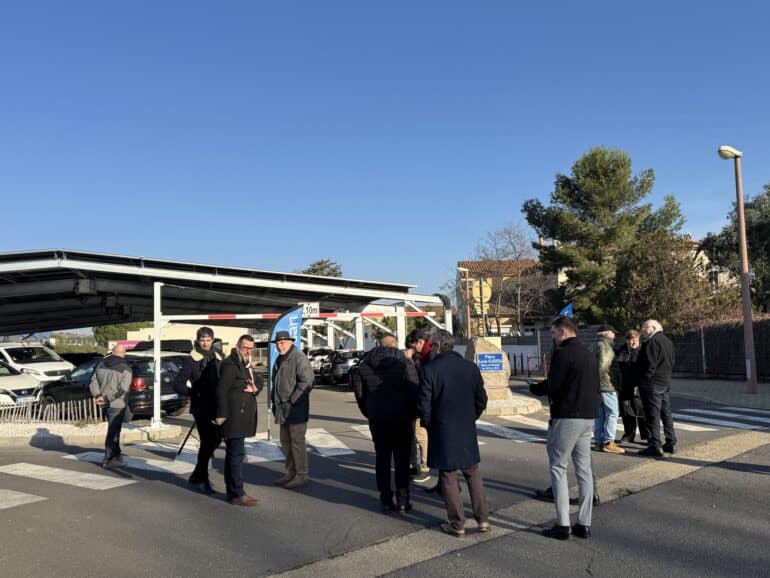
450, 400
573, 390
237, 415
656, 362
198, 380
385, 385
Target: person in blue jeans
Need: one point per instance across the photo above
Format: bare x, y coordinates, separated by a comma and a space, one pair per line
606, 423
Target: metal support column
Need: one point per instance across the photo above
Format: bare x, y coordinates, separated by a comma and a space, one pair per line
157, 323
401, 327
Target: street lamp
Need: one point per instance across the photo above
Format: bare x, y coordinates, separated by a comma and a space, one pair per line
727, 152
467, 297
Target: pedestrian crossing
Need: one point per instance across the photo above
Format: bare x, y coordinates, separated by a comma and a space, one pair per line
161, 457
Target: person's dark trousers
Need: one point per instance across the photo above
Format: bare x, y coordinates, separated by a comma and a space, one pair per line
629, 426
235, 452
657, 408
392, 441
453, 499
210, 437
114, 425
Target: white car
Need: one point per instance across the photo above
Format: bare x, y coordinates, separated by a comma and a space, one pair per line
17, 387
36, 360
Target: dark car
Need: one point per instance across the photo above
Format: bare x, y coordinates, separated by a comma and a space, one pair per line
139, 396
337, 368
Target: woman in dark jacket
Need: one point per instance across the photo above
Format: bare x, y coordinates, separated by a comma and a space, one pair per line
631, 409
237, 415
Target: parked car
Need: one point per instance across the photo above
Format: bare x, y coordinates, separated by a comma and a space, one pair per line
337, 368
37, 360
17, 387
140, 394
318, 357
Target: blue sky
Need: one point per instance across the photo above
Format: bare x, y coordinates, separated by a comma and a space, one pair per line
388, 136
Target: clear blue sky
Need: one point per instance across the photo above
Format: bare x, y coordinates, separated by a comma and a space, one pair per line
388, 136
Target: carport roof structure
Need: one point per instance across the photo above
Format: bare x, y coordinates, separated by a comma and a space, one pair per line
59, 289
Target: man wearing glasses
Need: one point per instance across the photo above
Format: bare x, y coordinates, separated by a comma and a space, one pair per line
237, 415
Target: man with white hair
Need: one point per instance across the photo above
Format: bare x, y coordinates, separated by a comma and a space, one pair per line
656, 361
109, 386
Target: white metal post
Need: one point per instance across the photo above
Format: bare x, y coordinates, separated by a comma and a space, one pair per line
401, 327
448, 321
330, 336
360, 334
310, 341
157, 323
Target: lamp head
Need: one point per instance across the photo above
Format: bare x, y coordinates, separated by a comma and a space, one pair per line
727, 152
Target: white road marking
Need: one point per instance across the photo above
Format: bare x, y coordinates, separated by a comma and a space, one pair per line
363, 429
757, 419
326, 444
189, 453
508, 432
748, 410
11, 499
68, 477
526, 421
719, 422
150, 465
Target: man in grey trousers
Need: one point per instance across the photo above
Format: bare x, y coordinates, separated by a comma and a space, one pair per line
573, 389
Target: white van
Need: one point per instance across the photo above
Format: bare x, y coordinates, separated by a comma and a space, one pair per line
37, 360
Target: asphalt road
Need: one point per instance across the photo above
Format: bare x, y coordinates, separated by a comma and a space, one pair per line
156, 526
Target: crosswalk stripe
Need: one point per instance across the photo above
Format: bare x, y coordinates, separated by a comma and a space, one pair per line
258, 451
748, 410
729, 414
68, 477
147, 464
11, 499
326, 444
692, 427
363, 429
508, 432
719, 422
189, 454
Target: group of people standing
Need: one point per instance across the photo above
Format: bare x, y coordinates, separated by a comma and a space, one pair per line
586, 392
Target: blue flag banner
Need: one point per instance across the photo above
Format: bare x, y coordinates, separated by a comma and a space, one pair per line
567, 311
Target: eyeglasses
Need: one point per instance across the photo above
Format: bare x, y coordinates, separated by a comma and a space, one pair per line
246, 348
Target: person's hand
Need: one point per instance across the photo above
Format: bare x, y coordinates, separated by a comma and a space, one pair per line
250, 387
99, 400
409, 353
219, 420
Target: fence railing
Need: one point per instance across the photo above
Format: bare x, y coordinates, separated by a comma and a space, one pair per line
73, 411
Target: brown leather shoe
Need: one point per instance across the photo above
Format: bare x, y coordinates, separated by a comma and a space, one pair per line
613, 448
244, 500
484, 527
448, 529
296, 482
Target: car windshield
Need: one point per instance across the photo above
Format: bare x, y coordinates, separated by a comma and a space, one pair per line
32, 354
349, 355
5, 370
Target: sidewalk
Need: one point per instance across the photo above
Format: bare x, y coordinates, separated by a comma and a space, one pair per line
726, 392
57, 435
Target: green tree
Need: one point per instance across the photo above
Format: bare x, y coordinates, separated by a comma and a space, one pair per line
105, 333
722, 247
324, 268
657, 277
595, 215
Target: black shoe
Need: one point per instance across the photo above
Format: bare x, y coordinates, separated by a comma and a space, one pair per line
581, 531
203, 487
557, 532
414, 471
669, 448
388, 507
652, 451
627, 439
402, 502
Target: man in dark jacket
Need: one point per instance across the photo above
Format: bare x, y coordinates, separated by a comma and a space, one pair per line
109, 385
237, 415
385, 385
198, 379
656, 361
292, 381
573, 390
450, 400
631, 408
419, 351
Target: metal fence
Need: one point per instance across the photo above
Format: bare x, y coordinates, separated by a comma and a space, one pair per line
76, 411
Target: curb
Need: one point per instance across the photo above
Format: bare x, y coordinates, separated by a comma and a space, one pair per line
56, 441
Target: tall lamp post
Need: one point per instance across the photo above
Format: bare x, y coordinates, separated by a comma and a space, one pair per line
467, 297
727, 152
